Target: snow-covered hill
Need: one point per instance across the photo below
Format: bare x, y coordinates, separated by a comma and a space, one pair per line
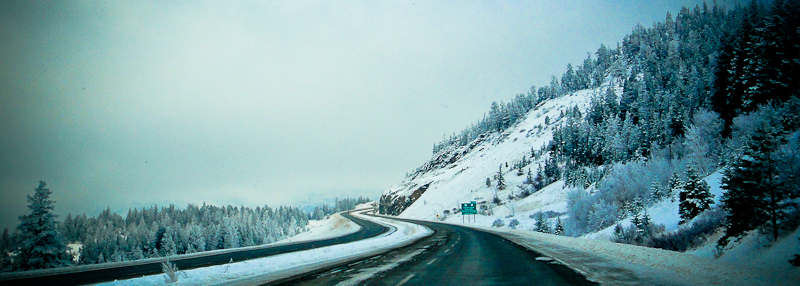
458, 175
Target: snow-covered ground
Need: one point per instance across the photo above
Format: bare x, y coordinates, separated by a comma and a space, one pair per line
465, 180
334, 226
276, 267
621, 264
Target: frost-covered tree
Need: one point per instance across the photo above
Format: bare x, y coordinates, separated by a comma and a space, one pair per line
704, 141
41, 245
501, 181
656, 192
558, 229
695, 197
168, 246
541, 224
196, 241
231, 236
674, 183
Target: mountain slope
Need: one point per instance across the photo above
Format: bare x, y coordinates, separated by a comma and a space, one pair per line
458, 174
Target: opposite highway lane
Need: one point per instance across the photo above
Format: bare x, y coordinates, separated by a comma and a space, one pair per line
368, 229
454, 255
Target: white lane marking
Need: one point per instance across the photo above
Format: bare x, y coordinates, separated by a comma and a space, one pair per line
446, 251
405, 279
429, 263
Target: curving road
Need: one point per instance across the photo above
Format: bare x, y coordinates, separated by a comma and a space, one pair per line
368, 229
454, 255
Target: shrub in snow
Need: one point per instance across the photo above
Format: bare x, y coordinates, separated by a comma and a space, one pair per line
170, 271
546, 214
639, 232
513, 224
497, 201
498, 223
616, 194
227, 266
690, 236
485, 210
526, 190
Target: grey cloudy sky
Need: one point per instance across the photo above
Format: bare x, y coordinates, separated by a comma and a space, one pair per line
133, 103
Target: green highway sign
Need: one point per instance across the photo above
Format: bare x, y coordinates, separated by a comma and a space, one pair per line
469, 208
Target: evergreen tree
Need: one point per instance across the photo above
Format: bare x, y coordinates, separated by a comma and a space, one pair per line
41, 246
559, 229
168, 246
541, 224
655, 191
551, 171
529, 179
501, 182
755, 194
674, 184
695, 197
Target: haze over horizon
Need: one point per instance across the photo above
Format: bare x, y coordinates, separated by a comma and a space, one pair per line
129, 104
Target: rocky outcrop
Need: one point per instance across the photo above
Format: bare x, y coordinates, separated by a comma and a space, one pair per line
393, 203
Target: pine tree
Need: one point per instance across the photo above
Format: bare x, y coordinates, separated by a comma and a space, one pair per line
529, 179
541, 224
551, 171
559, 229
756, 196
674, 184
655, 191
695, 197
501, 182
41, 246
643, 226
168, 246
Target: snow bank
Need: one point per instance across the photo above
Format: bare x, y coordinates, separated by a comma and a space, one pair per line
263, 270
334, 226
611, 263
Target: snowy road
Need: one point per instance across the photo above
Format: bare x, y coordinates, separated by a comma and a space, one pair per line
90, 274
454, 255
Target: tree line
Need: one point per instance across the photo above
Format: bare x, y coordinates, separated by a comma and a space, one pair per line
40, 241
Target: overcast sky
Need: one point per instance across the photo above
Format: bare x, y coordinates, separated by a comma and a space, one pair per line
134, 103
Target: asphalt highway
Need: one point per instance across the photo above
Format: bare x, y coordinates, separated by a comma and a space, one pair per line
454, 255
368, 229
